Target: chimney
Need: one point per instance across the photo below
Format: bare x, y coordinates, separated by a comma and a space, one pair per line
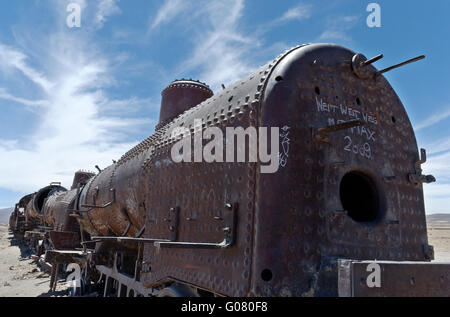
180, 96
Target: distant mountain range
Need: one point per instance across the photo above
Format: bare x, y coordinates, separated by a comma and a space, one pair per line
438, 220
4, 215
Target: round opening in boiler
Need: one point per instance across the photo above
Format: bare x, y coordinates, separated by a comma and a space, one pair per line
266, 275
359, 197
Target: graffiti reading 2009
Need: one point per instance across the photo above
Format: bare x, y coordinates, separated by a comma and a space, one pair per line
366, 133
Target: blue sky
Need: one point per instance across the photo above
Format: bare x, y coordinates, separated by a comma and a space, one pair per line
74, 98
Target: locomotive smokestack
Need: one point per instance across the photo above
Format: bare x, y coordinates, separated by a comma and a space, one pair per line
81, 177
181, 95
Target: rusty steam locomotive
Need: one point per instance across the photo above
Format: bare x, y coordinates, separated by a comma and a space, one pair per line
349, 187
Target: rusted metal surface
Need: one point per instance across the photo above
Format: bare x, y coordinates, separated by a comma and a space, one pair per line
181, 95
65, 231
38, 235
126, 285
412, 60
201, 194
319, 89
44, 217
349, 185
417, 177
34, 210
57, 258
65, 240
309, 88
115, 193
108, 204
396, 279
81, 178
18, 218
65, 257
55, 212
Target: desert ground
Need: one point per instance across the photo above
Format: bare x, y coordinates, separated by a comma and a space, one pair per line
439, 236
20, 276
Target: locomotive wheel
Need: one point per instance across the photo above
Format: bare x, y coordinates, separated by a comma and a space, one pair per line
178, 291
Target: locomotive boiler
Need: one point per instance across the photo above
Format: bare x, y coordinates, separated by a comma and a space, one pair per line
47, 209
348, 186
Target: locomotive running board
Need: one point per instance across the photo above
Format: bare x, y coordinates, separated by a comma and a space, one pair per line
125, 239
393, 279
194, 245
39, 234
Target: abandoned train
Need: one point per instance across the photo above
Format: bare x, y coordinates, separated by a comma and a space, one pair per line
349, 186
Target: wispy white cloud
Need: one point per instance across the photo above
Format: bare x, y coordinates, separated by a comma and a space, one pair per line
432, 120
300, 12
220, 49
8, 144
220, 46
11, 58
334, 35
439, 166
169, 10
79, 124
438, 146
130, 105
437, 195
338, 28
106, 8
32, 103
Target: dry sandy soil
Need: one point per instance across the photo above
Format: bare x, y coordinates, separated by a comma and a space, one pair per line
21, 277
439, 236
